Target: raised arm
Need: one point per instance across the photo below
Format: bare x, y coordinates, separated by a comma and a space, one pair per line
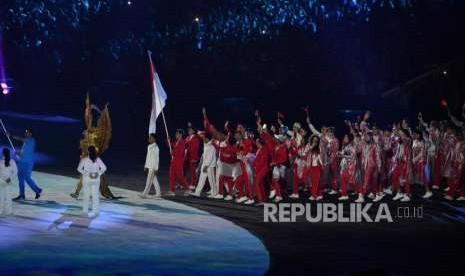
312, 127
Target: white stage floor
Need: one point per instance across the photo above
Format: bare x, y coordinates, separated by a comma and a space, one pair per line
132, 236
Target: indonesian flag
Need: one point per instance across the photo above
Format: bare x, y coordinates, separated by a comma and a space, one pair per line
158, 98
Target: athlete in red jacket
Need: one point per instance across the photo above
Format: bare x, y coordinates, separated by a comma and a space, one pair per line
178, 154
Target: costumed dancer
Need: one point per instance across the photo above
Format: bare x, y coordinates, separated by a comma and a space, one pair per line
91, 168
26, 164
8, 171
178, 156
151, 167
99, 137
299, 168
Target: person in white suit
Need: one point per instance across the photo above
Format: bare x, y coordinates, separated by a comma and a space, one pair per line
91, 167
208, 166
8, 170
151, 168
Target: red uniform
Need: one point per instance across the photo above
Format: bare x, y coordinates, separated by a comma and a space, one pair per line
228, 156
245, 148
299, 169
314, 163
177, 164
279, 160
193, 144
458, 170
261, 168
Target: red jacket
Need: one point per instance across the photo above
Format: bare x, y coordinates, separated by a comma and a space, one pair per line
179, 149
262, 159
280, 156
228, 154
193, 143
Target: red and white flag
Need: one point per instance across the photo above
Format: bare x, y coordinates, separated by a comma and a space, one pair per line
158, 98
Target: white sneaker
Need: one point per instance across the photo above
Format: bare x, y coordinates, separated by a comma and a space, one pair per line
378, 198
446, 189
191, 187
228, 198
435, 187
258, 204
249, 202
448, 197
157, 197
405, 198
278, 199
194, 194
218, 196
333, 192
209, 192
398, 196
312, 198
371, 195
360, 199
272, 194
427, 195
241, 200
462, 198
210, 196
186, 193
142, 196
295, 196
343, 198
318, 198
170, 193
388, 191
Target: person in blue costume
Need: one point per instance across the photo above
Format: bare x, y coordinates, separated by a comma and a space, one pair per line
26, 164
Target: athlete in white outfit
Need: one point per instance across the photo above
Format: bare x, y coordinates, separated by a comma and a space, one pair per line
91, 168
8, 171
151, 168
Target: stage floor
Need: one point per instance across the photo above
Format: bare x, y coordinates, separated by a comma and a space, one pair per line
131, 236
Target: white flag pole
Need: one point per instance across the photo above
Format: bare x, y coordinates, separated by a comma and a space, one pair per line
7, 136
162, 113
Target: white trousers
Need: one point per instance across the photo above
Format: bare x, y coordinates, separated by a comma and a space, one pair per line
152, 179
6, 204
91, 189
210, 174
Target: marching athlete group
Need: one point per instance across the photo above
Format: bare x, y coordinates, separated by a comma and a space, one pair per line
253, 167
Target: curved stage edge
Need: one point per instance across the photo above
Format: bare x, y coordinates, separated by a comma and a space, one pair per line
131, 236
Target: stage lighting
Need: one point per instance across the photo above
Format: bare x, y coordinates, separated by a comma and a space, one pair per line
5, 88
196, 19
129, 3
444, 72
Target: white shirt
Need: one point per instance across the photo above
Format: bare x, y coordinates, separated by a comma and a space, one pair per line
153, 157
209, 155
8, 172
91, 171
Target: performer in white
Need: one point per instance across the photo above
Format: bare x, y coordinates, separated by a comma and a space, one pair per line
208, 167
151, 168
8, 171
91, 167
